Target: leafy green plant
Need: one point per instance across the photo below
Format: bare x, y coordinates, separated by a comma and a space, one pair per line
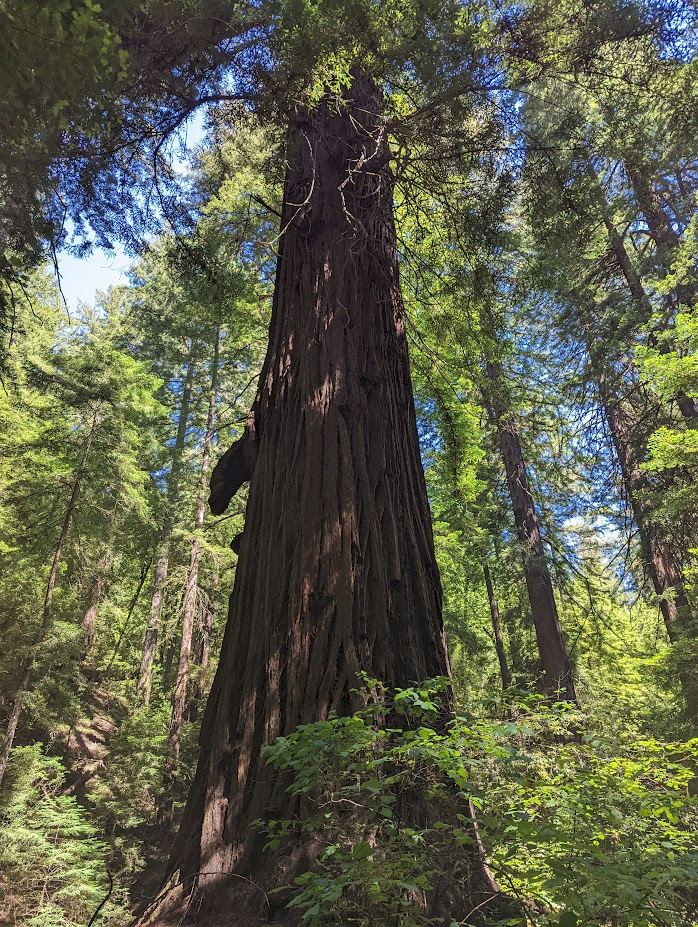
52, 866
577, 830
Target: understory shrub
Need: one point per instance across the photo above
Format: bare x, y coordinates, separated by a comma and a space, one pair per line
52, 866
578, 831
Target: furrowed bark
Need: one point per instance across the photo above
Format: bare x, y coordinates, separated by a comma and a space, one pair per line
150, 643
336, 573
28, 664
557, 672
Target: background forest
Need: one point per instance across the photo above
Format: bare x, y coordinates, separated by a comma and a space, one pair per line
547, 232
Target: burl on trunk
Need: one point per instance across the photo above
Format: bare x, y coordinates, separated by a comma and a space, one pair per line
336, 572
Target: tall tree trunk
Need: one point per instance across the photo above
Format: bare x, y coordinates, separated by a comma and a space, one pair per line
94, 597
28, 664
557, 673
192, 585
207, 625
686, 404
336, 574
145, 676
660, 562
666, 240
496, 627
659, 559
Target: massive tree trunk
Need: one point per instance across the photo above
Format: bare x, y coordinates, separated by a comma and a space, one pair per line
336, 574
150, 643
46, 616
557, 673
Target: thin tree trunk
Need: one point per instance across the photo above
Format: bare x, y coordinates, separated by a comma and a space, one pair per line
207, 625
336, 574
666, 240
686, 404
660, 562
496, 627
28, 665
94, 598
192, 585
557, 672
145, 676
129, 612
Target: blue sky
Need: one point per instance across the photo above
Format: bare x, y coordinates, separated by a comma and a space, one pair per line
82, 277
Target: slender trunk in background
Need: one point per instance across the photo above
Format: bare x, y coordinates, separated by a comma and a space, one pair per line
336, 574
660, 562
145, 676
665, 239
145, 570
557, 673
659, 558
686, 404
94, 598
28, 664
207, 625
192, 585
496, 627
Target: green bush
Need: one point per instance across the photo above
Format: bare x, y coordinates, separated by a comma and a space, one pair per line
52, 867
581, 833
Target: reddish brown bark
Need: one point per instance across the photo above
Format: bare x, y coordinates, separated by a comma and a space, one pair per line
557, 672
150, 643
336, 573
496, 627
28, 664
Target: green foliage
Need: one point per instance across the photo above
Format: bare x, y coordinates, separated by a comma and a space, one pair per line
52, 862
579, 828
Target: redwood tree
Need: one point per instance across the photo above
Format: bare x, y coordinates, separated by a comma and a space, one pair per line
336, 574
